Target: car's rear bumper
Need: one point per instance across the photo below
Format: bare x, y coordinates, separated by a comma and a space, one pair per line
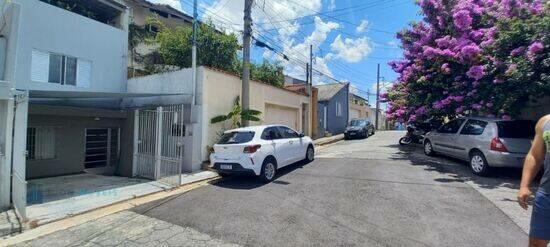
245, 164
352, 134
236, 168
504, 159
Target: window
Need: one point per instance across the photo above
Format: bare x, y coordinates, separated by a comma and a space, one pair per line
516, 129
451, 127
338, 109
236, 137
70, 71
473, 127
271, 133
358, 122
55, 74
60, 69
288, 133
40, 143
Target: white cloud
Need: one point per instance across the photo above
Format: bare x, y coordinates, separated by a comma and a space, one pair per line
393, 43
332, 5
363, 26
351, 50
173, 3
229, 13
384, 86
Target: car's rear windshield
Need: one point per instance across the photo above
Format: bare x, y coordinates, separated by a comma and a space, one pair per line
357, 122
516, 129
236, 137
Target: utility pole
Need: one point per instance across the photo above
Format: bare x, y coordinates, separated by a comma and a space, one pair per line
307, 74
247, 31
310, 67
310, 89
377, 95
194, 54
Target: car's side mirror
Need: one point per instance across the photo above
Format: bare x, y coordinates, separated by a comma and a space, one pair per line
301, 135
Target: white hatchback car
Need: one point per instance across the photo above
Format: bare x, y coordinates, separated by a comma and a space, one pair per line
260, 150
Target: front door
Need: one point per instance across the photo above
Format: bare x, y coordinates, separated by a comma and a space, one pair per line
102, 150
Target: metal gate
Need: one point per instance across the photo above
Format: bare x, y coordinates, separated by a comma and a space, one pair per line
158, 151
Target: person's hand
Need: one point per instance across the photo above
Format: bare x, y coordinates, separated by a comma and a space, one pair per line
524, 195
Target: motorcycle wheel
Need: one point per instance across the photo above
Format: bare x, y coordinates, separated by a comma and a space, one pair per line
405, 140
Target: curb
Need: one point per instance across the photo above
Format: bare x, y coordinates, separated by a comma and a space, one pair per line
328, 140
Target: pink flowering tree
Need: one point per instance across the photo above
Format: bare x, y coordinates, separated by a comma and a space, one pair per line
479, 57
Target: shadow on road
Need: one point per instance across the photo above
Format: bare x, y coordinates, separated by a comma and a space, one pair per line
458, 170
248, 182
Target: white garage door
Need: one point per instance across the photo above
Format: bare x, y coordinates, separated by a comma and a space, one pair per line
353, 114
275, 114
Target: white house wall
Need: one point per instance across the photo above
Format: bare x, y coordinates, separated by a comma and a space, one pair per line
6, 123
47, 28
177, 82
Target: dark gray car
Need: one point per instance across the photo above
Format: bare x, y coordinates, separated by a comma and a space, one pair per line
359, 128
484, 142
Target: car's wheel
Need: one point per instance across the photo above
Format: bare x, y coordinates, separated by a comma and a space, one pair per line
310, 154
269, 170
478, 164
428, 148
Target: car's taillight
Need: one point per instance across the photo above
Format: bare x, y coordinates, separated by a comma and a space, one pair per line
251, 149
497, 145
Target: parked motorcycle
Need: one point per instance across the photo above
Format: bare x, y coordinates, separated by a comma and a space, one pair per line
415, 133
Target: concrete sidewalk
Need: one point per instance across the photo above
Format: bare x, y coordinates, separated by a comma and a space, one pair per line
9, 224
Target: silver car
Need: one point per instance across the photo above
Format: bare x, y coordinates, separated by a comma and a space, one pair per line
484, 142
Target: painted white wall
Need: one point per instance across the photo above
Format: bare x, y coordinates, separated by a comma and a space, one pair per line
44, 27
6, 123
177, 82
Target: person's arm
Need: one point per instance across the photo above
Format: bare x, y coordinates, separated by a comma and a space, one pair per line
533, 163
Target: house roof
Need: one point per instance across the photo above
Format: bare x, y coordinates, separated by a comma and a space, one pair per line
359, 97
327, 91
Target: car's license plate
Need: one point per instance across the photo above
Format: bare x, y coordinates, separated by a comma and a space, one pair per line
352, 133
226, 167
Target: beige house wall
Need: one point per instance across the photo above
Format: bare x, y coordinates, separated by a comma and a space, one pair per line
220, 91
362, 109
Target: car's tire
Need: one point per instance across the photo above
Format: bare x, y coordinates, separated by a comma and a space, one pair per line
428, 148
310, 154
478, 164
269, 170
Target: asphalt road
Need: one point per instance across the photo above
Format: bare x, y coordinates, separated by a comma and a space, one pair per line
356, 193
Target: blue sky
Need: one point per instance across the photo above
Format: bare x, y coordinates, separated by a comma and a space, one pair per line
350, 37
